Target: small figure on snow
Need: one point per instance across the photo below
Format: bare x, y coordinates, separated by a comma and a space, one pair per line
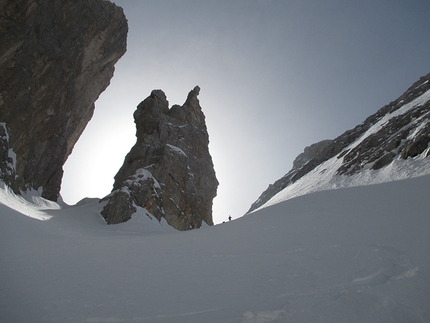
229, 217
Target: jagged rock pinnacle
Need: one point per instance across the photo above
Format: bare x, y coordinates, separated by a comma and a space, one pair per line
169, 172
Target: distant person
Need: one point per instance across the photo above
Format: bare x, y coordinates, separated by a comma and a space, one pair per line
229, 217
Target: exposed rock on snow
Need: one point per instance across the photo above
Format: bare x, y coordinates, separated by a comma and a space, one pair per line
399, 130
56, 58
169, 171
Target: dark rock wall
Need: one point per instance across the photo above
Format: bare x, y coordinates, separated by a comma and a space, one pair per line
169, 171
7, 156
56, 57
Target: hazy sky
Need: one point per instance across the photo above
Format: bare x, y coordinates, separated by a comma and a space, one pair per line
275, 77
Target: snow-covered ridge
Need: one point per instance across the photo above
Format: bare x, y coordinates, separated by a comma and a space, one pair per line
392, 144
324, 177
421, 100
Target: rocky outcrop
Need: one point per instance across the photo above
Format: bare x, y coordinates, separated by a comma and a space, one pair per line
7, 156
401, 129
169, 171
56, 57
306, 161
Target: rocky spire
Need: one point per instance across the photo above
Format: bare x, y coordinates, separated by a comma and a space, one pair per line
169, 171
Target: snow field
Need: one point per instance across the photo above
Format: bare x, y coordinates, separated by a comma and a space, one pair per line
349, 255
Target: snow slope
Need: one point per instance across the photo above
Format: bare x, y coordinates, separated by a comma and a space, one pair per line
325, 176
349, 255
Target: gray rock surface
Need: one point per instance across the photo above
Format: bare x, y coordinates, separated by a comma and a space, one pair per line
406, 135
56, 57
7, 155
169, 171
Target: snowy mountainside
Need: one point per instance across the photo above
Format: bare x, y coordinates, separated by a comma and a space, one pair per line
349, 255
325, 177
374, 151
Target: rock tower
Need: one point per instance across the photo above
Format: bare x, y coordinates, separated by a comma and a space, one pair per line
169, 171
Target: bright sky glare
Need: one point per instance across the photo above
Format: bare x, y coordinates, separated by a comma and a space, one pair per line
275, 76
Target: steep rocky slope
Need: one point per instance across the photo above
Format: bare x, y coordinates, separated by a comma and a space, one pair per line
169, 171
399, 130
56, 57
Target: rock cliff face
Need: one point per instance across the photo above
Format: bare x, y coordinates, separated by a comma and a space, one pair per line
169, 171
399, 130
7, 156
56, 57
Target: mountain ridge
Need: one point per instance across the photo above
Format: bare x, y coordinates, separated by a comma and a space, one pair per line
399, 130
